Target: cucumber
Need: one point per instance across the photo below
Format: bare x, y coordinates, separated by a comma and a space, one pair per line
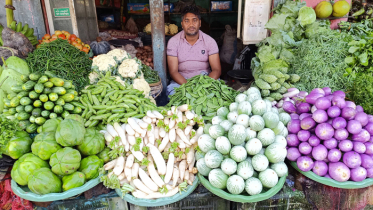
24, 78
20, 108
24, 124
29, 85
32, 119
47, 90
76, 99
43, 98
40, 129
43, 79
34, 76
37, 103
77, 110
50, 74
12, 111
45, 113
48, 84
33, 95
68, 84
15, 102
58, 109
7, 102
36, 112
53, 115
16, 88
39, 88
65, 114
57, 81
40, 120
31, 128
23, 116
22, 94
25, 101
11, 95
68, 106
53, 96
68, 97
72, 91
29, 108
48, 105
59, 90
60, 101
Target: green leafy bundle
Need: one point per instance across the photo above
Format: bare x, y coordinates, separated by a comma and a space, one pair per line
8, 128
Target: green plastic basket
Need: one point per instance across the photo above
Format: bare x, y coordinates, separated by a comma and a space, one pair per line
243, 198
160, 201
25, 193
333, 183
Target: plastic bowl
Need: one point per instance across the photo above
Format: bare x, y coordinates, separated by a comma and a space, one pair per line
333, 183
160, 201
243, 198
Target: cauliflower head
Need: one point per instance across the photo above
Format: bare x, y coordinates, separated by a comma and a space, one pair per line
166, 30
119, 54
118, 79
142, 85
104, 62
173, 29
93, 77
128, 68
148, 28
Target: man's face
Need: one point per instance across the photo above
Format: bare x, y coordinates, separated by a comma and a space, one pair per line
191, 24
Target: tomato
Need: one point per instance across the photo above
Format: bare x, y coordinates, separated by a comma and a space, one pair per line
62, 36
78, 40
65, 32
67, 36
54, 36
46, 36
79, 46
86, 50
73, 37
57, 32
40, 41
74, 43
87, 46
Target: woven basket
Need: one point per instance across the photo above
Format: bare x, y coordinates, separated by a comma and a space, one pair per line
156, 88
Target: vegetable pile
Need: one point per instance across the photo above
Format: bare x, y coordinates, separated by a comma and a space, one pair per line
64, 156
330, 135
245, 147
62, 59
204, 94
41, 96
145, 55
153, 157
65, 35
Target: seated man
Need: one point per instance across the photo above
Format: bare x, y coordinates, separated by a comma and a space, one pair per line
191, 52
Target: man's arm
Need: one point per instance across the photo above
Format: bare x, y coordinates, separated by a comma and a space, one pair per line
173, 67
214, 61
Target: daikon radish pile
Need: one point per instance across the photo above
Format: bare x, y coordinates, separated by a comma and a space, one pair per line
153, 157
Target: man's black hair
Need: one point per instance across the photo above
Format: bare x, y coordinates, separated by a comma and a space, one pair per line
190, 9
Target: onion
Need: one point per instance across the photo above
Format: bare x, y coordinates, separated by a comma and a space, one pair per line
339, 101
339, 93
359, 147
320, 168
305, 163
320, 116
358, 174
362, 136
345, 145
359, 109
292, 140
304, 115
302, 94
319, 152
307, 123
350, 104
369, 128
312, 97
314, 141
369, 146
327, 90
370, 117
370, 172
294, 116
303, 108
329, 97
313, 109
305, 148
330, 143
334, 111
293, 154
348, 113
362, 118
341, 134
339, 171
334, 155
339, 123
366, 161
354, 127
323, 103
324, 131
279, 104
294, 126
318, 91
352, 159
289, 107
303, 135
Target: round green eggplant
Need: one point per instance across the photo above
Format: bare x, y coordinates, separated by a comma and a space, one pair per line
44, 181
90, 166
93, 143
65, 161
45, 145
25, 166
73, 180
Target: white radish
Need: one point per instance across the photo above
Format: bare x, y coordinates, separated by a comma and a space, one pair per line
128, 173
164, 143
142, 124
130, 130
182, 136
141, 186
146, 141
183, 108
182, 145
162, 132
103, 132
199, 132
154, 175
154, 120
189, 115
166, 121
169, 113
119, 166
150, 114
108, 137
110, 165
111, 130
190, 155
191, 177
192, 123
158, 115
172, 123
132, 122
172, 134
161, 195
110, 174
184, 119
156, 132
147, 119
137, 154
170, 167
182, 167
174, 110
130, 160
188, 129
151, 137
137, 135
186, 175
122, 176
122, 135
179, 117
139, 194
158, 159
147, 180
123, 126
131, 139
123, 181
135, 170
175, 176
191, 164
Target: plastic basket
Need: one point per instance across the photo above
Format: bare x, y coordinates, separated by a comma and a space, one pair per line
161, 201
25, 193
243, 198
333, 183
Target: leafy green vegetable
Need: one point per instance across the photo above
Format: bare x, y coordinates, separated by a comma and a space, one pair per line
306, 16
8, 129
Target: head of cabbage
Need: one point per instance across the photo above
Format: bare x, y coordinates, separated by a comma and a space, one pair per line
306, 16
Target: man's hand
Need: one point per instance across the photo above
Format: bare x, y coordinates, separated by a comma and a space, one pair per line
214, 61
173, 67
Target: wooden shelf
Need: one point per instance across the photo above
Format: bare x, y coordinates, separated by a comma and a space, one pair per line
106, 7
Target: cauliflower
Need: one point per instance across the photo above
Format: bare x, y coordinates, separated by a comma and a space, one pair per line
104, 62
148, 28
118, 54
93, 77
166, 29
128, 68
142, 85
118, 79
173, 29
